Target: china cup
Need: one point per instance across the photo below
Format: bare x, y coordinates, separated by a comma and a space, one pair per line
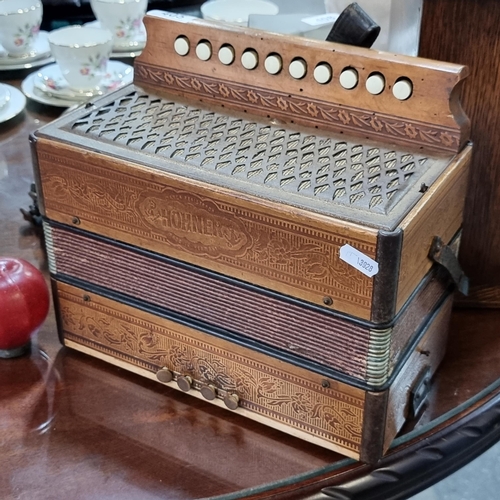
122, 17
82, 54
19, 25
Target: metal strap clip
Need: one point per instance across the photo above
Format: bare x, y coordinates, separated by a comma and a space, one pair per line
420, 391
444, 255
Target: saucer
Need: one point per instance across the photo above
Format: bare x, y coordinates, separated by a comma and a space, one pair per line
56, 98
4, 95
34, 94
14, 105
27, 65
41, 50
131, 48
50, 81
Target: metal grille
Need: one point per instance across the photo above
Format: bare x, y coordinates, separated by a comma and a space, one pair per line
350, 174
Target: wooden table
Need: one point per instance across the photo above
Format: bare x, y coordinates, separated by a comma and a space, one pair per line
72, 426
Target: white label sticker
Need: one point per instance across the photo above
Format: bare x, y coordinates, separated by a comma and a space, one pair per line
171, 15
321, 19
359, 260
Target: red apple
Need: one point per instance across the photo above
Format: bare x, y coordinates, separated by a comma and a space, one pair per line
24, 302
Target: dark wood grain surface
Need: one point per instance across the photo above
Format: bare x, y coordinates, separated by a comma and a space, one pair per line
72, 426
468, 32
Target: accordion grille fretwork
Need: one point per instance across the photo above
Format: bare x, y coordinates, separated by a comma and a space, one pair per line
350, 174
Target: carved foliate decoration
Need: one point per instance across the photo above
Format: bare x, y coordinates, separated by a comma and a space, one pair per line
320, 113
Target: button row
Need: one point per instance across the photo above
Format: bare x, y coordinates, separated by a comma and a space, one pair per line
273, 64
208, 391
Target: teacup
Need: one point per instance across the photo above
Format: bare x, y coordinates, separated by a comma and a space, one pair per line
82, 54
19, 25
122, 17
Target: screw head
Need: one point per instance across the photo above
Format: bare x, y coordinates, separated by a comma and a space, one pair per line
75, 220
328, 301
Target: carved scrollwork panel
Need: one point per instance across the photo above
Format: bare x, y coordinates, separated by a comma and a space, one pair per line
147, 341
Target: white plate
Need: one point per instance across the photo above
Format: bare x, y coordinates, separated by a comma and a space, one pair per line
130, 49
41, 50
49, 80
4, 95
14, 106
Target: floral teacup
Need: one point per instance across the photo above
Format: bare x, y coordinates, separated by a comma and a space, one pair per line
19, 25
122, 17
82, 54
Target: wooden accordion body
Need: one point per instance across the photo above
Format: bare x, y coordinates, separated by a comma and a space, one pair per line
197, 224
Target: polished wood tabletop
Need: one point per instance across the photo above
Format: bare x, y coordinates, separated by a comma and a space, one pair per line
73, 426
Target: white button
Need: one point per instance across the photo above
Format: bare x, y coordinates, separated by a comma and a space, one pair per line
181, 45
249, 59
273, 64
349, 78
323, 73
298, 68
226, 54
375, 84
204, 51
402, 89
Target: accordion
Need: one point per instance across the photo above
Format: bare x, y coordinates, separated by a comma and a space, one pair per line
270, 241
